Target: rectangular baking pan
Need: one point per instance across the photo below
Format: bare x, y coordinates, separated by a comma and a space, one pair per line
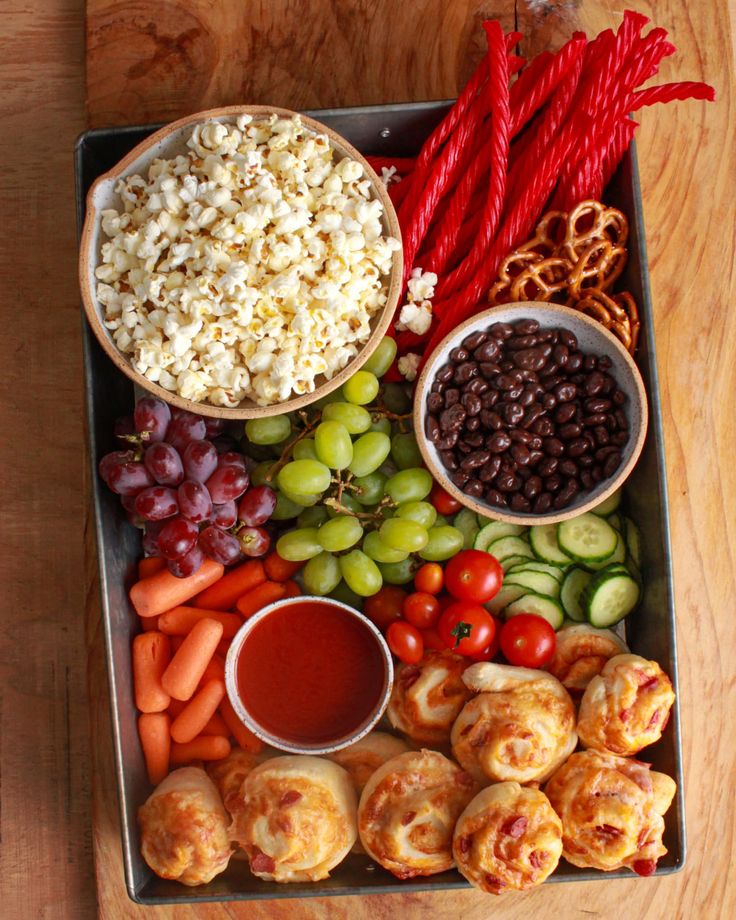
396, 130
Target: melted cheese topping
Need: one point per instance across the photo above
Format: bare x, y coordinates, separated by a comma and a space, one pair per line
581, 654
229, 774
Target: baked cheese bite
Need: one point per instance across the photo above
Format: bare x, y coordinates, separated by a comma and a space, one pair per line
408, 811
581, 653
296, 819
520, 727
611, 810
509, 838
427, 697
627, 707
184, 828
229, 774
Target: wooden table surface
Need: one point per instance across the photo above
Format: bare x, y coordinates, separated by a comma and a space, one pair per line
154, 61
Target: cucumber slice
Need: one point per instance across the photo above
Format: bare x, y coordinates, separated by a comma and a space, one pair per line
571, 593
609, 597
632, 536
543, 540
531, 565
617, 556
467, 523
538, 582
616, 521
509, 546
587, 538
511, 561
505, 596
608, 505
546, 607
494, 531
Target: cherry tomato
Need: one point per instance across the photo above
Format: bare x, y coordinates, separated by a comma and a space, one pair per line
429, 578
443, 502
466, 628
528, 640
421, 610
473, 575
432, 639
490, 651
405, 641
384, 608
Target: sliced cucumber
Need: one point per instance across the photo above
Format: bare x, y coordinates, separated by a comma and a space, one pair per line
609, 597
494, 530
571, 593
538, 582
617, 556
632, 536
531, 565
505, 596
587, 538
467, 523
543, 540
608, 505
546, 607
511, 561
616, 521
509, 546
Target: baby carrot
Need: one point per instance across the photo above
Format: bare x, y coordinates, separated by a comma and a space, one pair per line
223, 594
259, 597
180, 620
243, 735
278, 569
292, 589
162, 590
153, 730
176, 643
149, 565
175, 707
205, 747
149, 624
216, 726
223, 646
186, 668
215, 670
151, 656
198, 711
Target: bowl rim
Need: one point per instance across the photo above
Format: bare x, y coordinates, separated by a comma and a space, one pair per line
94, 314
294, 747
488, 511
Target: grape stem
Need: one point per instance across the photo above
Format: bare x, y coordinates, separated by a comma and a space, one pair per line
309, 427
382, 411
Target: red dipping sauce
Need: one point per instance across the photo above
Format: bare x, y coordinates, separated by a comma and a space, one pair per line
309, 673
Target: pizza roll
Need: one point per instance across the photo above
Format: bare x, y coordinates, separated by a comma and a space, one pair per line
296, 819
408, 811
508, 838
520, 727
228, 774
427, 697
581, 653
184, 828
626, 707
612, 811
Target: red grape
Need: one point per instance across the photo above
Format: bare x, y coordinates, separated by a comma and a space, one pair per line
200, 460
254, 541
257, 505
188, 564
227, 483
150, 537
194, 501
224, 515
152, 415
124, 426
164, 464
183, 428
219, 545
224, 444
128, 502
176, 538
156, 503
111, 460
129, 477
231, 458
214, 426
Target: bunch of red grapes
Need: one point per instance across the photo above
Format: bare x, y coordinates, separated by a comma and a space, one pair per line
181, 480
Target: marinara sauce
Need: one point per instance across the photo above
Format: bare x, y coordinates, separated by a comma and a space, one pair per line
310, 672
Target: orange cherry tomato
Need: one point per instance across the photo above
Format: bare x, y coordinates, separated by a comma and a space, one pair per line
421, 610
384, 607
443, 502
429, 578
405, 641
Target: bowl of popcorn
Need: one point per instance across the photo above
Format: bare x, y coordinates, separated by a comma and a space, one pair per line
241, 262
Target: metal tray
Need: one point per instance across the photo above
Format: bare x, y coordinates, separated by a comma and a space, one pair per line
385, 130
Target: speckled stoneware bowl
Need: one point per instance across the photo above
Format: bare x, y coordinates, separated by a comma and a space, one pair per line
167, 143
592, 339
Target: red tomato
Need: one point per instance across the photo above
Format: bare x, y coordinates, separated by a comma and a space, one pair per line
466, 628
490, 652
443, 502
384, 607
528, 640
432, 639
429, 578
473, 575
405, 641
421, 610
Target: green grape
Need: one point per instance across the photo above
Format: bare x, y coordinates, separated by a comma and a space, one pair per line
374, 547
345, 594
410, 485
441, 521
396, 399
361, 573
308, 477
421, 512
361, 388
258, 473
347, 501
404, 535
371, 488
322, 574
304, 499
444, 543
304, 450
381, 424
269, 430
298, 545
398, 573
313, 517
333, 444
285, 508
340, 533
382, 358
405, 450
369, 452
355, 418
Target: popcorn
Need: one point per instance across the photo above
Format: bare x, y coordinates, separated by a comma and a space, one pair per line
416, 317
248, 267
409, 366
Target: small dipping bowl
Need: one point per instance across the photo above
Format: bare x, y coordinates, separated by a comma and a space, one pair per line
309, 675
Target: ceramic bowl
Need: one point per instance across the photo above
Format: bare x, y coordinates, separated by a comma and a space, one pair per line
167, 143
592, 339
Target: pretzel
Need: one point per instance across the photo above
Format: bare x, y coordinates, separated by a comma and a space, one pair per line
550, 233
542, 280
590, 221
598, 266
511, 268
618, 314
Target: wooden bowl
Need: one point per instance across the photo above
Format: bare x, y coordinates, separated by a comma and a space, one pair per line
592, 338
167, 143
